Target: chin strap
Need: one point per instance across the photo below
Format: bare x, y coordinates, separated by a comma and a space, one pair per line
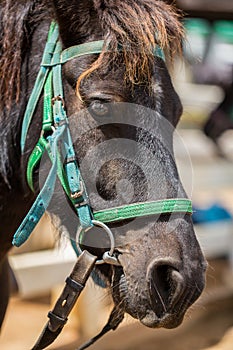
115, 318
66, 301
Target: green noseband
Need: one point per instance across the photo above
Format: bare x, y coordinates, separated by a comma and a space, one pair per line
130, 211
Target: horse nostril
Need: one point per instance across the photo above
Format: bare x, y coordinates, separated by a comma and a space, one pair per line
165, 286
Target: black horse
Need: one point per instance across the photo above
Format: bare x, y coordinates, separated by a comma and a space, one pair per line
162, 268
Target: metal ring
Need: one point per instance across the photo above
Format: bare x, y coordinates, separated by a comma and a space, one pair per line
106, 229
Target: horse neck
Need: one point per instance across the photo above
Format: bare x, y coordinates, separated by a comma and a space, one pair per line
10, 129
15, 197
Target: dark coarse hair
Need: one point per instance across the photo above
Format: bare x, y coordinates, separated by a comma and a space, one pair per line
137, 26
18, 21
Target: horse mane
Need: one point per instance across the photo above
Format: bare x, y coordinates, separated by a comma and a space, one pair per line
137, 27
18, 20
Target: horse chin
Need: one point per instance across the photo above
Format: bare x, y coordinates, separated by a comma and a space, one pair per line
168, 321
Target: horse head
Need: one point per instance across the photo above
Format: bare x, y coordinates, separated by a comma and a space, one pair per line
123, 111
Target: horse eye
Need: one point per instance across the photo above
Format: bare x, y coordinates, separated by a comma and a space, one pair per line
99, 108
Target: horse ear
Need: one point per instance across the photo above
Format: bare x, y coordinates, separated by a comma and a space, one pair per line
77, 20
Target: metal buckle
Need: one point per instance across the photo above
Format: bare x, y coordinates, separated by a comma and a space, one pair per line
78, 194
110, 259
58, 98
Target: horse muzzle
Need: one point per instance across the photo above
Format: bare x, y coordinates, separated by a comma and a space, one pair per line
165, 295
171, 292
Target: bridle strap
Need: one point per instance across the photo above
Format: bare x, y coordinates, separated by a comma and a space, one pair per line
115, 318
52, 57
43, 199
39, 83
75, 283
130, 211
70, 176
92, 47
55, 118
55, 123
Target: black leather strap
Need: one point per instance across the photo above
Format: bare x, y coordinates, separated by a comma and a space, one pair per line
115, 318
66, 301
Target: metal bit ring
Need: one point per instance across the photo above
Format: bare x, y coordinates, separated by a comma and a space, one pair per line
110, 236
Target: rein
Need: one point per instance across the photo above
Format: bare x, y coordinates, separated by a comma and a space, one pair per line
56, 140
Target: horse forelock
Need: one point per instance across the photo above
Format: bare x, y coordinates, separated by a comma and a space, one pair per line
137, 27
140, 24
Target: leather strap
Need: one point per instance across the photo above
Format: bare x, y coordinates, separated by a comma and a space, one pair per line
115, 318
66, 301
43, 199
39, 84
72, 179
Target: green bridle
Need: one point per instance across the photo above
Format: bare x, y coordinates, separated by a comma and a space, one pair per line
55, 128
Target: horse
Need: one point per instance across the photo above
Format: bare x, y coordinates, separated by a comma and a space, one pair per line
160, 269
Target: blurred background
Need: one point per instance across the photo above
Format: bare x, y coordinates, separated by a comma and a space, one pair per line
204, 81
